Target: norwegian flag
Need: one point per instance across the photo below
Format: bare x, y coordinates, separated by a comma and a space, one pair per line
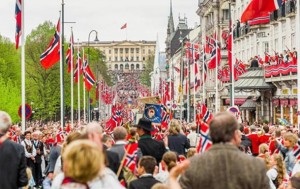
297, 150
263, 19
88, 76
165, 116
196, 75
205, 114
192, 51
70, 52
18, 16
204, 141
239, 69
215, 57
52, 54
130, 160
79, 67
210, 45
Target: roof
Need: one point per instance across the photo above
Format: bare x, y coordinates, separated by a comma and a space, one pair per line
248, 104
252, 79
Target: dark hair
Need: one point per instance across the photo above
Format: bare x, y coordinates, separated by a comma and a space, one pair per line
222, 127
149, 163
27, 132
266, 129
119, 133
242, 128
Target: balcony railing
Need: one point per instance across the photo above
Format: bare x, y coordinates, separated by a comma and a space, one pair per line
280, 69
285, 9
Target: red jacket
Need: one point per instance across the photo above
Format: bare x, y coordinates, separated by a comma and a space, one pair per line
255, 142
264, 139
272, 146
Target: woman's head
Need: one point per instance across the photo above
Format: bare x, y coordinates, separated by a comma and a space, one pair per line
170, 160
263, 148
277, 160
290, 140
174, 128
82, 160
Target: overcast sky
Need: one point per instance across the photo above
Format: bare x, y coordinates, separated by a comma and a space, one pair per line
145, 19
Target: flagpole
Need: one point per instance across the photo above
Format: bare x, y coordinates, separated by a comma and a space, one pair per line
181, 77
194, 101
203, 77
61, 78
84, 97
216, 73
23, 67
78, 80
62, 66
232, 60
72, 79
298, 51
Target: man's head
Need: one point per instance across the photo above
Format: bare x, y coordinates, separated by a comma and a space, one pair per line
119, 133
144, 127
27, 135
93, 127
224, 128
146, 165
5, 122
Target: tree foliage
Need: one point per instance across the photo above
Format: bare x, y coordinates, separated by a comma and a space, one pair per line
145, 77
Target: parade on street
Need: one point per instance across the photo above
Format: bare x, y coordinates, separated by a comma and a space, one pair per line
150, 95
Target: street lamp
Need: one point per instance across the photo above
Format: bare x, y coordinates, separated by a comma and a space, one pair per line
96, 40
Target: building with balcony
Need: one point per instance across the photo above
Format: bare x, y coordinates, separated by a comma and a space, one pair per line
125, 55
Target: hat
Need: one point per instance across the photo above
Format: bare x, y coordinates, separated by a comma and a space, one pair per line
145, 124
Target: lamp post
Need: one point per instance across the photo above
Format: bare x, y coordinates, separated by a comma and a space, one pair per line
96, 40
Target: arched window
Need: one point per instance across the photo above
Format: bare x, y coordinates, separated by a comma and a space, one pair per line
132, 67
121, 67
116, 67
126, 66
137, 66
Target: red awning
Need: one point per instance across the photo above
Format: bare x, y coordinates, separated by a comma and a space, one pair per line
275, 102
237, 101
284, 102
293, 102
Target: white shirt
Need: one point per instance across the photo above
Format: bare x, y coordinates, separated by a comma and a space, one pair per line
29, 143
193, 138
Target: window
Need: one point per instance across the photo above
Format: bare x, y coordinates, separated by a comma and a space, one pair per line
131, 58
276, 44
126, 50
143, 51
121, 58
109, 51
266, 45
109, 58
132, 66
116, 58
116, 51
121, 67
116, 67
225, 14
137, 66
126, 66
149, 51
137, 50
132, 50
137, 58
126, 58
144, 58
121, 50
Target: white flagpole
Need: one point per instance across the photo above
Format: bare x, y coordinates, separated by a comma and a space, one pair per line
23, 67
78, 80
61, 77
203, 78
216, 74
298, 51
84, 98
72, 79
232, 57
195, 76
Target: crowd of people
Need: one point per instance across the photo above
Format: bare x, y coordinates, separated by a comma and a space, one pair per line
242, 156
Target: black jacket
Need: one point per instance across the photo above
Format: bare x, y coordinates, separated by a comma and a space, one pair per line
178, 143
143, 183
112, 159
12, 165
39, 145
151, 147
246, 143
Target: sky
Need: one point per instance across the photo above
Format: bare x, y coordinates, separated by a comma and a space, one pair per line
145, 19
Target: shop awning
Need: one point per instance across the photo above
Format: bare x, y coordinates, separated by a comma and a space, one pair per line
249, 104
237, 101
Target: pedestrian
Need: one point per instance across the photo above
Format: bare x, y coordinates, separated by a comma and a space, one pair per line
12, 158
277, 172
169, 161
224, 165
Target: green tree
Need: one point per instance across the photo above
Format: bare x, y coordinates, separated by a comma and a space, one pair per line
42, 86
145, 77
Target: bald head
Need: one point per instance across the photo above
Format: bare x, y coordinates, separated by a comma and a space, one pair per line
222, 127
93, 127
5, 122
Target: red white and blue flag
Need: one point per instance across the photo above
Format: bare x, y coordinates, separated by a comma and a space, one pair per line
88, 76
70, 52
79, 67
204, 140
258, 7
52, 53
18, 15
130, 160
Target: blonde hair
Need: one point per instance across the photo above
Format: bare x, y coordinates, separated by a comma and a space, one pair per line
191, 152
160, 186
264, 149
170, 159
82, 160
292, 138
174, 128
280, 167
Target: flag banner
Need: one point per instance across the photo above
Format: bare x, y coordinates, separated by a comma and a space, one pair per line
204, 140
52, 54
18, 15
124, 26
152, 112
78, 67
88, 76
264, 19
70, 52
258, 7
